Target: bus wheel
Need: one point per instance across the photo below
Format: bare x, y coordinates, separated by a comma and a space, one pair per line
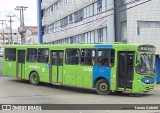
34, 78
103, 87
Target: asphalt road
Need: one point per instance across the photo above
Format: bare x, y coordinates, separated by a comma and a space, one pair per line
13, 91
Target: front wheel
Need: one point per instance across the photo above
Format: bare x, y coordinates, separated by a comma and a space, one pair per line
103, 87
34, 78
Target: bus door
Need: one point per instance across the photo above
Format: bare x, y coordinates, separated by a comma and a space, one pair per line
57, 66
125, 70
21, 64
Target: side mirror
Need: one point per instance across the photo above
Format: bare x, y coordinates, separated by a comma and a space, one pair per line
138, 58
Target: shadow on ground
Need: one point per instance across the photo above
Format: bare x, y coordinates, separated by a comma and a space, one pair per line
81, 90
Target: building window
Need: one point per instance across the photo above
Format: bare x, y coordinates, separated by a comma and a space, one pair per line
78, 16
100, 35
99, 6
106, 57
147, 24
31, 55
64, 22
87, 57
43, 55
10, 54
138, 30
123, 31
71, 40
70, 19
72, 56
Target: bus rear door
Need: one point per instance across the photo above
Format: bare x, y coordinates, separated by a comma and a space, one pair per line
125, 70
56, 75
21, 64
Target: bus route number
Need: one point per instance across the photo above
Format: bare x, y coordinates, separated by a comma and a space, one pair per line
87, 69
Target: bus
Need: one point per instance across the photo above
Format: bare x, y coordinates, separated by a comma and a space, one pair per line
106, 68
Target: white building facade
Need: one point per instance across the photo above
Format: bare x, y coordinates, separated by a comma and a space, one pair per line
77, 21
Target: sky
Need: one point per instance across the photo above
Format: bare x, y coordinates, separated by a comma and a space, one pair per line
30, 14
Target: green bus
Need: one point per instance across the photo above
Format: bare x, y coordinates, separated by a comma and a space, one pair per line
107, 68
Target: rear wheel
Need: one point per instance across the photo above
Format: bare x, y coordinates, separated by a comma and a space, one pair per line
34, 78
103, 87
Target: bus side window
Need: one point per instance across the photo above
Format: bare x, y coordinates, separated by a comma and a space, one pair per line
43, 55
10, 54
72, 56
106, 57
87, 57
31, 55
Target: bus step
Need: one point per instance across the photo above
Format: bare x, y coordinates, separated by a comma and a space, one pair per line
56, 83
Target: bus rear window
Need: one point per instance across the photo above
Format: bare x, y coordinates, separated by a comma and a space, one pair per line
31, 55
10, 54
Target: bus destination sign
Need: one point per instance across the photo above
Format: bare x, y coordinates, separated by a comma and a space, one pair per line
146, 48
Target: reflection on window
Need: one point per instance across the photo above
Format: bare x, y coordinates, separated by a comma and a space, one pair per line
147, 64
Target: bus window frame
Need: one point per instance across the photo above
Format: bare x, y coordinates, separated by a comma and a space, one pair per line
66, 56
113, 64
91, 57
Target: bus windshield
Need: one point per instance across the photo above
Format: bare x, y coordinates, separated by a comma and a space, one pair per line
147, 64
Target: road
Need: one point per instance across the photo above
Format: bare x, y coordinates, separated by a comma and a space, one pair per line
13, 91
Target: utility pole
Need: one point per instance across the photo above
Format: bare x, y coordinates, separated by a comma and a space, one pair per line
10, 20
22, 29
3, 30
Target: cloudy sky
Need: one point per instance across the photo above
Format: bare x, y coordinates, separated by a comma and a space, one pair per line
30, 15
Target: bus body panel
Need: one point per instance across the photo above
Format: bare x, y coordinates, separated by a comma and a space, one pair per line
77, 75
102, 71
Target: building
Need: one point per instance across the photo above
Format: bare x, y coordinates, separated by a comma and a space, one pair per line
7, 37
140, 24
32, 35
96, 21
75, 21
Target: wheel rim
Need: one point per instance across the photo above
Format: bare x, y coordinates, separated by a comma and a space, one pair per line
34, 79
103, 87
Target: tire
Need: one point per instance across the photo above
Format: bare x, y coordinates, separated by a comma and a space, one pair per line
34, 78
103, 87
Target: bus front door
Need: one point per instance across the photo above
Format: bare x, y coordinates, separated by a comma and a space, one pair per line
125, 70
21, 64
57, 66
